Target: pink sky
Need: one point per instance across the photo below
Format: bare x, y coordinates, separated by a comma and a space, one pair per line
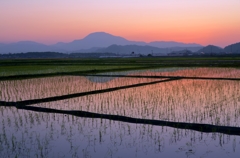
49, 21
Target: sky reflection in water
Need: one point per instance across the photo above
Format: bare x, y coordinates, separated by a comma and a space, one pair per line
31, 134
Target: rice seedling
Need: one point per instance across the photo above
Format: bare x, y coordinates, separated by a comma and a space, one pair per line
191, 101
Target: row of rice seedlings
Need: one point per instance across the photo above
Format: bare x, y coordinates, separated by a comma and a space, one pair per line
188, 103
46, 87
184, 100
18, 90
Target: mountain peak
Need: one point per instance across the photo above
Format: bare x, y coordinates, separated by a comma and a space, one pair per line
211, 49
233, 48
99, 33
102, 36
213, 46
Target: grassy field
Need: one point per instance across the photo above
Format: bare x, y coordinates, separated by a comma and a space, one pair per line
53, 67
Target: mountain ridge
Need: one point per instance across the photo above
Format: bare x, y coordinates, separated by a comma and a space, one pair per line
103, 39
143, 50
233, 48
93, 42
209, 49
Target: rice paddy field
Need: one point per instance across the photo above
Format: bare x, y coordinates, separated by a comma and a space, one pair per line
82, 109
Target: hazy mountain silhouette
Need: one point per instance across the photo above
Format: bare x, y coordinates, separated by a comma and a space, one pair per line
144, 50
91, 43
102, 39
1, 44
233, 48
90, 50
25, 46
97, 39
105, 42
210, 49
193, 49
128, 49
168, 44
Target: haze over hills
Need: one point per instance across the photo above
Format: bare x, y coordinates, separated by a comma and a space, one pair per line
143, 50
233, 48
210, 49
136, 49
169, 44
97, 39
26, 46
1, 44
106, 43
90, 43
102, 39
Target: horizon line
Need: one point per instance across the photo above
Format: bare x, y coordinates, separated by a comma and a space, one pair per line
54, 43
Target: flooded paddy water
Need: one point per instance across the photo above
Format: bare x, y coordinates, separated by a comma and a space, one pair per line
193, 112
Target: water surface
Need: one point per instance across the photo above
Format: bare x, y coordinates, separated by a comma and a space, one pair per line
42, 132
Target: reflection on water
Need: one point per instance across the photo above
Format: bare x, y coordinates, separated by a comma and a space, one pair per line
18, 90
51, 135
134, 72
32, 134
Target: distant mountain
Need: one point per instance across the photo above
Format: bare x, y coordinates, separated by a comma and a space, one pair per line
93, 42
193, 49
233, 48
102, 39
97, 39
211, 49
168, 44
144, 50
90, 50
25, 46
1, 44
129, 49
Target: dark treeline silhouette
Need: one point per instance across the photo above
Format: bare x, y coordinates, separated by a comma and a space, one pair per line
53, 55
33, 55
57, 55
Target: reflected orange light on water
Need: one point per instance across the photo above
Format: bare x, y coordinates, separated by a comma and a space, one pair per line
185, 100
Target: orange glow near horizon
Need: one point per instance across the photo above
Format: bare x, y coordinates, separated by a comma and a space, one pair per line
185, 21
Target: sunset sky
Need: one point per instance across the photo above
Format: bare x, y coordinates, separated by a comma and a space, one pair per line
190, 21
